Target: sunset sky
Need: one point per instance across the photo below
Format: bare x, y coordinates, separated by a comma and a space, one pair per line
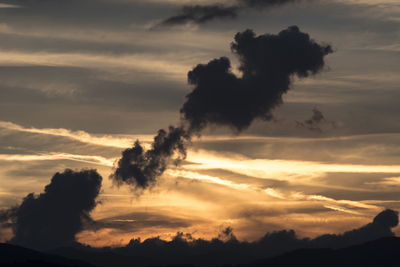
81, 80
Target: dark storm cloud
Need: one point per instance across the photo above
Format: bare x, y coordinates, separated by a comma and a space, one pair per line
200, 14
227, 249
53, 218
141, 168
267, 62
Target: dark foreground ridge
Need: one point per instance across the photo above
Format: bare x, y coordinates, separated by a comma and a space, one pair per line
11, 255
381, 252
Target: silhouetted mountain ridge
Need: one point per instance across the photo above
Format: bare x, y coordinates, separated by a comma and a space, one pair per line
11, 255
379, 253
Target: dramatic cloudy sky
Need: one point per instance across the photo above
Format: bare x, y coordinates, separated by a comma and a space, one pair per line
81, 80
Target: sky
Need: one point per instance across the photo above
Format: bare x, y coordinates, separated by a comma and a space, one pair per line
82, 80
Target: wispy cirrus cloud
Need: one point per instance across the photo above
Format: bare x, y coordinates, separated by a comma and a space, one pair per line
347, 206
281, 169
97, 160
137, 62
4, 5
81, 136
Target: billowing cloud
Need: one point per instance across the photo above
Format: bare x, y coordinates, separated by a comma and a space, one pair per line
53, 218
219, 97
268, 63
141, 168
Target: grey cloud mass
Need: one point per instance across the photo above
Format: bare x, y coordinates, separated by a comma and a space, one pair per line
141, 168
268, 63
53, 218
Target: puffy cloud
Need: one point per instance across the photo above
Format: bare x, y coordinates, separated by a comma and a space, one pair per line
267, 62
53, 218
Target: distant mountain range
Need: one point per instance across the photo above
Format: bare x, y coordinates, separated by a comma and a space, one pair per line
379, 253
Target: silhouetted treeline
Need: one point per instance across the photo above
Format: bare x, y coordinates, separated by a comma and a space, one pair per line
226, 249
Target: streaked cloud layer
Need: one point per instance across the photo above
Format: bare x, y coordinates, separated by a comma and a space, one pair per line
239, 188
81, 136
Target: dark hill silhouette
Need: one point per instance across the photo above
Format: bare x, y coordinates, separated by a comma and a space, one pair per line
378, 253
11, 255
